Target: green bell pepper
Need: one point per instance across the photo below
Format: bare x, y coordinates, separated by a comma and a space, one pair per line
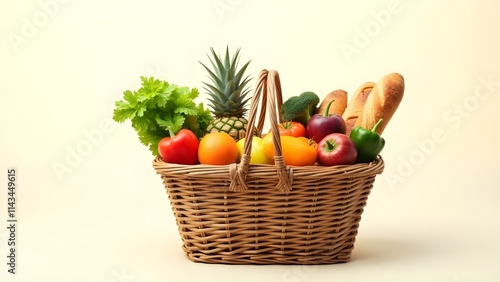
368, 143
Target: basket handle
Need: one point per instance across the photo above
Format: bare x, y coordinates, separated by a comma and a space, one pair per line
269, 87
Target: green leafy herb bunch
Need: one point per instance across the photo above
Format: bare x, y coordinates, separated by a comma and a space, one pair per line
159, 106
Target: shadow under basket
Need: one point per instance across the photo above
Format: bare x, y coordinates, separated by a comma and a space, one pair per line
316, 222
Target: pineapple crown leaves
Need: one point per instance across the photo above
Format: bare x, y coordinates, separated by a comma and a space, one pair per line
228, 91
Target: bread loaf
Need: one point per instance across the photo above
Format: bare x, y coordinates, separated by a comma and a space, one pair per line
338, 105
356, 104
382, 102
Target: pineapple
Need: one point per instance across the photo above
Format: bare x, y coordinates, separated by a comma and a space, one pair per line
228, 93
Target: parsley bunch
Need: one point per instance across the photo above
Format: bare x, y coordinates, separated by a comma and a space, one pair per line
159, 106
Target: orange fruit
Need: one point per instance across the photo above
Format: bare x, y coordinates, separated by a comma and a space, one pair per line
217, 148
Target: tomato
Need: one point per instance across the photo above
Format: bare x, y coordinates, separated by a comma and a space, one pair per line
217, 148
296, 151
257, 155
292, 128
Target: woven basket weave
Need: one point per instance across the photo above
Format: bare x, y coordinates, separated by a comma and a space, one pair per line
268, 214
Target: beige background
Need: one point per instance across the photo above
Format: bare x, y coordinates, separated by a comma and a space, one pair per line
432, 216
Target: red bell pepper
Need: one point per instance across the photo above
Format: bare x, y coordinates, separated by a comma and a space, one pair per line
180, 148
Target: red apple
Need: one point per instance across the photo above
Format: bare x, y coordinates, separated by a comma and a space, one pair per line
320, 125
336, 149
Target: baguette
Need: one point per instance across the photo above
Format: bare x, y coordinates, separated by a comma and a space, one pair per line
338, 105
356, 104
383, 102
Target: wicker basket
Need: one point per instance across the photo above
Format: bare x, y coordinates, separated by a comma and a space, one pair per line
268, 214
